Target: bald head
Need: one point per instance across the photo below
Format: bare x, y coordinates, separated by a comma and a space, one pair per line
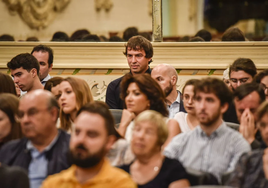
166, 76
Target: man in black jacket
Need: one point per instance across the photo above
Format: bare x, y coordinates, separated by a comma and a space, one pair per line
43, 150
139, 53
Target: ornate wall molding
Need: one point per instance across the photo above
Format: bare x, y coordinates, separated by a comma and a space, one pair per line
103, 4
183, 56
37, 14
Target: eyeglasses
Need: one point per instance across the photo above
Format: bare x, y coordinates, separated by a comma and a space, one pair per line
242, 80
30, 113
264, 87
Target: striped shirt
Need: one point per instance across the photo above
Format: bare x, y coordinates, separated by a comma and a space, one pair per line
216, 154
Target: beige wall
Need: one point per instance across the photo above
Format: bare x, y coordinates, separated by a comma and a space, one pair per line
82, 14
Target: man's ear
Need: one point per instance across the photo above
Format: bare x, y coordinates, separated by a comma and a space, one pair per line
224, 107
33, 72
50, 67
173, 80
110, 142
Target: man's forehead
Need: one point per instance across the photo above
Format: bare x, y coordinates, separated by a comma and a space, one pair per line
14, 71
87, 120
136, 51
252, 98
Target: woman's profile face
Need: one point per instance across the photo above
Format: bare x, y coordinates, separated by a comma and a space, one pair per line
188, 99
5, 125
67, 98
136, 101
144, 138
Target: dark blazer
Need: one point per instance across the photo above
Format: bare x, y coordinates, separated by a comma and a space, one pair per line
15, 153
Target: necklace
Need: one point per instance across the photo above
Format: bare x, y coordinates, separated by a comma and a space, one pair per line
156, 168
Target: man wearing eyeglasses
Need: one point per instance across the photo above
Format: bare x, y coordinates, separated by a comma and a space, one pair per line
262, 78
139, 53
240, 72
44, 149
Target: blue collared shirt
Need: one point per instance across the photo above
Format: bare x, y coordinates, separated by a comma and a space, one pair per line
37, 170
216, 154
174, 108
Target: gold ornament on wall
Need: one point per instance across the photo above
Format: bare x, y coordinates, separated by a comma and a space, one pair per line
103, 4
38, 14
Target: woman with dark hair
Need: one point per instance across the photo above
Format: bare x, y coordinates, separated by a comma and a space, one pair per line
7, 85
9, 127
187, 121
73, 94
142, 93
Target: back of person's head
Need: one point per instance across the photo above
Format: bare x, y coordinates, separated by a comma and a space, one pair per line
184, 39
130, 32
116, 39
190, 82
52, 82
9, 105
103, 38
244, 90
262, 110
101, 108
90, 38
82, 94
243, 64
32, 39
60, 37
233, 34
26, 61
140, 43
7, 84
204, 34
79, 34
156, 119
258, 77
146, 35
44, 48
6, 37
215, 86
196, 39
154, 92
265, 38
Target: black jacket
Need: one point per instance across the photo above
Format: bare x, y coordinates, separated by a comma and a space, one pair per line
15, 153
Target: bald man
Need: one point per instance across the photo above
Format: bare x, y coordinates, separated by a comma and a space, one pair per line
44, 149
166, 76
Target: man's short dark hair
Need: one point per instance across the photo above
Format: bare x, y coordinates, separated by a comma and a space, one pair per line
60, 37
44, 48
260, 76
245, 89
244, 64
215, 86
197, 39
140, 43
101, 108
204, 34
26, 61
130, 32
233, 34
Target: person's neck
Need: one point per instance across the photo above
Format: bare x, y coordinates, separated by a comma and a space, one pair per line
73, 115
210, 129
171, 98
150, 159
36, 85
140, 73
85, 174
41, 143
192, 120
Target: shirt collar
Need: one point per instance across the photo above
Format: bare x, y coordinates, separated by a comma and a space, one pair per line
46, 78
218, 132
30, 146
147, 71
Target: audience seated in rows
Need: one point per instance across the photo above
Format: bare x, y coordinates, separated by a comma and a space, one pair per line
204, 34
6, 37
212, 146
166, 76
130, 32
233, 34
60, 37
79, 34
93, 137
188, 121
151, 168
196, 39
73, 94
139, 53
44, 149
32, 39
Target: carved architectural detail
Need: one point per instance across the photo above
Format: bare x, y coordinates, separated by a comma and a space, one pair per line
103, 4
37, 14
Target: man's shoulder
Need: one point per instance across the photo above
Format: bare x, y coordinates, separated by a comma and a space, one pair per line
56, 179
120, 177
116, 82
14, 145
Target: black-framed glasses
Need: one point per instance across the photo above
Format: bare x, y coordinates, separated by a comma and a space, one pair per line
241, 80
30, 113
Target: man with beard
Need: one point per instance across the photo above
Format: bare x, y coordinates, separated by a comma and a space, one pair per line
139, 53
212, 146
166, 76
92, 138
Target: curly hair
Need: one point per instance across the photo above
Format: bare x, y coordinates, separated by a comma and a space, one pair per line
149, 87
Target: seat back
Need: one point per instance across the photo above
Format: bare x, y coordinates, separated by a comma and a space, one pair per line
117, 114
196, 177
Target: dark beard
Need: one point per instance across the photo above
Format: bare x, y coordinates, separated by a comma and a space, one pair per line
168, 89
90, 161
